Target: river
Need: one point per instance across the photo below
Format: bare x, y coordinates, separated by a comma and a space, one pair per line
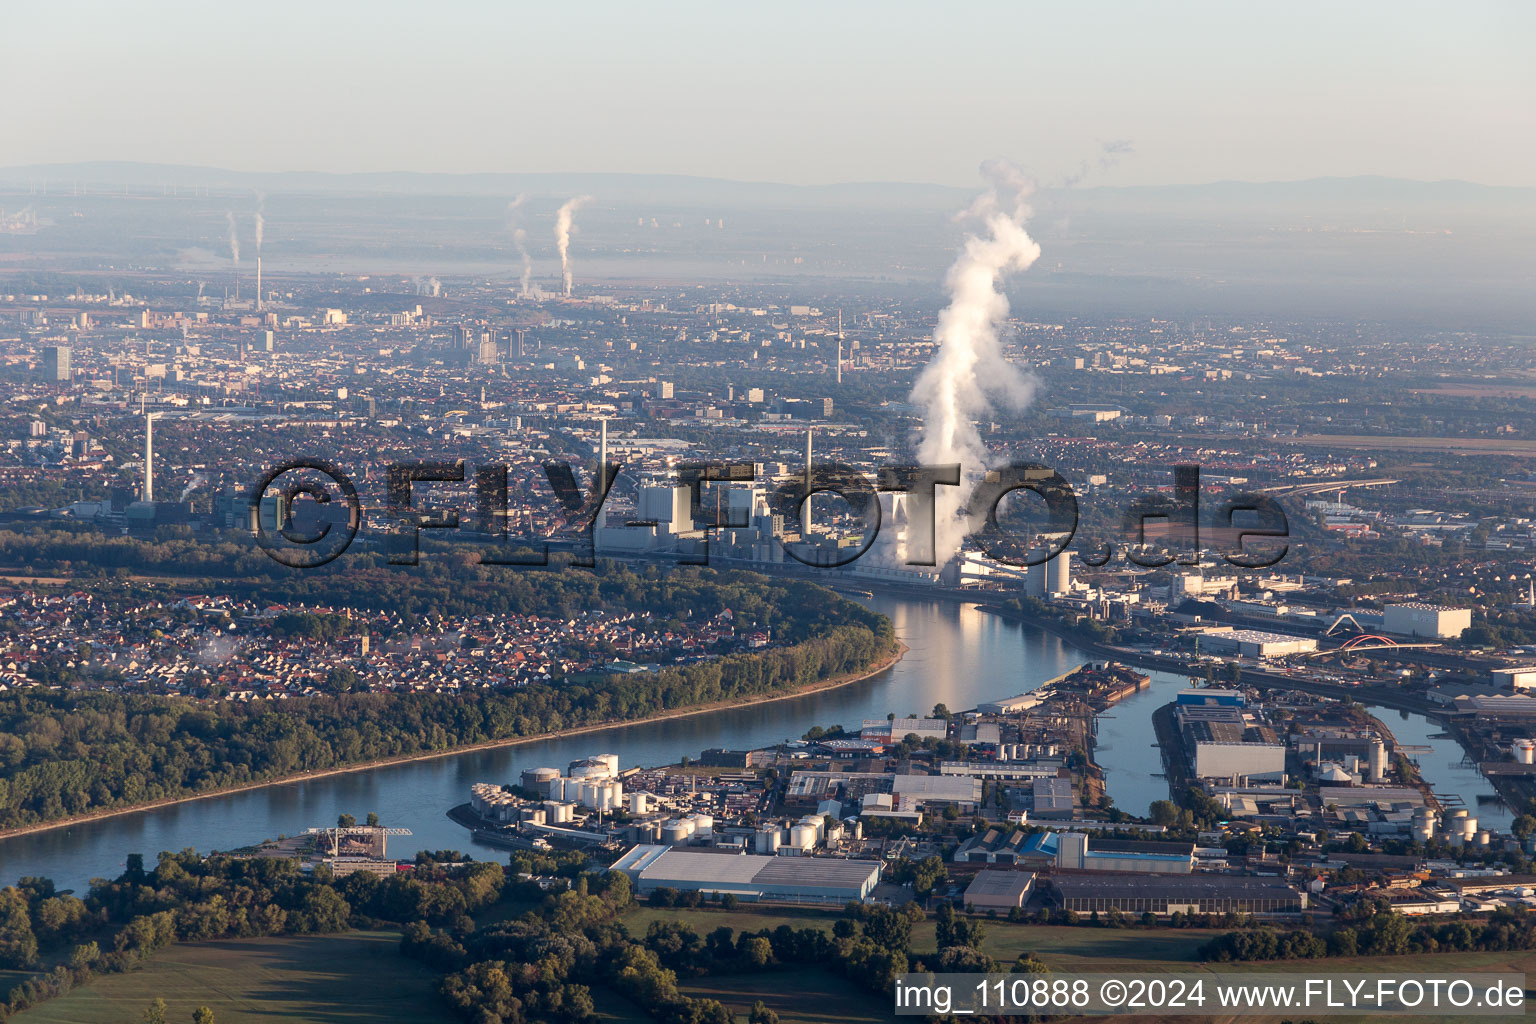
958, 656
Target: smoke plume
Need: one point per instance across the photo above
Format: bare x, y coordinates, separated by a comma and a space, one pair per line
968, 373
563, 236
234, 239
520, 239
198, 479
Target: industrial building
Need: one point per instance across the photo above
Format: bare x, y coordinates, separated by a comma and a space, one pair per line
1415, 618
1225, 743
1160, 894
1255, 643
749, 876
1076, 851
897, 729
999, 890
1011, 705
1053, 798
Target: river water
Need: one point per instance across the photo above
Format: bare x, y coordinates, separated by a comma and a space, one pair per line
958, 656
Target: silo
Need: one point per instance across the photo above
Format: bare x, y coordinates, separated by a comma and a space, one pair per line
639, 803
674, 832
703, 825
611, 762
768, 840
802, 836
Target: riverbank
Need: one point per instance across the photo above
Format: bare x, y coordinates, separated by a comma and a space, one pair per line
833, 683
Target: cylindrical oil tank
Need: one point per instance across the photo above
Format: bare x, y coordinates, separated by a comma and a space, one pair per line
767, 840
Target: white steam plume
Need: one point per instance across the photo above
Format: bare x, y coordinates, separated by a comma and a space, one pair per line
198, 479
563, 236
968, 373
261, 225
234, 239
520, 239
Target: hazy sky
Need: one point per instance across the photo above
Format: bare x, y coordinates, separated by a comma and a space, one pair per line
782, 91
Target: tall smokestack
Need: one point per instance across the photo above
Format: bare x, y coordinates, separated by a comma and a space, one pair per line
261, 225
968, 370
149, 453
805, 510
839, 346
602, 448
563, 236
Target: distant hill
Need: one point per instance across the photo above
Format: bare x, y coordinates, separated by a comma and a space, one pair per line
1366, 190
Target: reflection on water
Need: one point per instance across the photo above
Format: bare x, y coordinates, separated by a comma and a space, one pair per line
958, 656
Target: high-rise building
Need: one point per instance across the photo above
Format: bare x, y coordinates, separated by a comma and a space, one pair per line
56, 363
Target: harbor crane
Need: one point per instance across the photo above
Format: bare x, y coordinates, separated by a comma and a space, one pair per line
377, 837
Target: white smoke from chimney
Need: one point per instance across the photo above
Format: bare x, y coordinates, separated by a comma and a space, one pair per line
968, 373
234, 239
198, 479
520, 239
563, 236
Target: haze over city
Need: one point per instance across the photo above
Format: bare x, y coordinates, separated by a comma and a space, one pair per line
532, 514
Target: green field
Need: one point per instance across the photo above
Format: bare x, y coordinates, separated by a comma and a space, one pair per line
355, 978
1061, 946
798, 996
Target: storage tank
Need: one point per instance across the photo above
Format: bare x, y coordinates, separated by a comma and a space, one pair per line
1483, 838
767, 840
818, 823
1423, 827
611, 762
1468, 827
540, 778
1524, 751
639, 803
703, 825
676, 831
858, 830
802, 836
556, 811
587, 768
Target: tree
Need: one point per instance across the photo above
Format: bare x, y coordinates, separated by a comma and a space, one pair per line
373, 819
942, 711
1164, 812
202, 1015
762, 1013
1523, 826
345, 821
154, 1013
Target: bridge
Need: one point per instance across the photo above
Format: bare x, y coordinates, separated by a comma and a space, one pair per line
1370, 642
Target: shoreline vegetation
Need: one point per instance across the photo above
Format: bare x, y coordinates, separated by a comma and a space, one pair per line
74, 752
835, 682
